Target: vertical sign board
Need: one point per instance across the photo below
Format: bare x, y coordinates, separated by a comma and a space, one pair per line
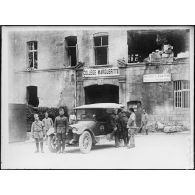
149, 78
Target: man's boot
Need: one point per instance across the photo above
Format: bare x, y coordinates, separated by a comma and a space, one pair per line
41, 144
63, 148
37, 146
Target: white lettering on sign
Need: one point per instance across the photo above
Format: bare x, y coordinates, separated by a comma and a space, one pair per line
156, 78
100, 72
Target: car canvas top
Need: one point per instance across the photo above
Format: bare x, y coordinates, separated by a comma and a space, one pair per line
100, 105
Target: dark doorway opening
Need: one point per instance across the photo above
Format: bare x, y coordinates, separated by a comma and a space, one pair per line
32, 98
101, 94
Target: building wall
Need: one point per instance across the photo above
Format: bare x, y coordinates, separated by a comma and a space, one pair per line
158, 97
118, 48
57, 83
54, 79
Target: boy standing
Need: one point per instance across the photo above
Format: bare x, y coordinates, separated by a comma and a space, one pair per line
47, 122
37, 133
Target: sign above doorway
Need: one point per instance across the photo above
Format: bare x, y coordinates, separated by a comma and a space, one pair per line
156, 78
100, 72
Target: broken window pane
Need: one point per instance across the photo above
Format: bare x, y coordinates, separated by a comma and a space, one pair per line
35, 45
101, 55
97, 41
35, 60
71, 43
105, 40
32, 54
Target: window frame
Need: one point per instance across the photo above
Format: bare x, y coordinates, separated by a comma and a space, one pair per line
33, 51
67, 47
101, 46
179, 94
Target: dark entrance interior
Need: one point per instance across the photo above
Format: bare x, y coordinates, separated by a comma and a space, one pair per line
101, 94
71, 42
32, 98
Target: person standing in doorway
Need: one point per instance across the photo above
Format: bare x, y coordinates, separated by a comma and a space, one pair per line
131, 125
144, 121
37, 133
48, 123
61, 127
123, 119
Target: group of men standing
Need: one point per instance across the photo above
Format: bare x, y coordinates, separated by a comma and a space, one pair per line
122, 122
39, 129
124, 126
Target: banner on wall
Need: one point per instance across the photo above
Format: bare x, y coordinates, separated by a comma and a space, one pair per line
156, 78
100, 72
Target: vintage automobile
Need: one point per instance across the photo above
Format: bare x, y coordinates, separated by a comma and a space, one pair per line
92, 126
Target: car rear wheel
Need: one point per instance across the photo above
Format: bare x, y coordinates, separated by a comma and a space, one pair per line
85, 142
53, 144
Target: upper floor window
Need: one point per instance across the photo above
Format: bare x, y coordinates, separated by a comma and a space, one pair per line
182, 94
101, 49
71, 46
32, 54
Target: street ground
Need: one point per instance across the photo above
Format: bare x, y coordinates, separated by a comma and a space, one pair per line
155, 151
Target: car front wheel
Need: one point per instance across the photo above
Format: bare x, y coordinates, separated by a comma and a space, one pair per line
85, 142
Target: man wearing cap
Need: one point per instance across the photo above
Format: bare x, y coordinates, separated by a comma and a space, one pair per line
123, 119
114, 121
61, 127
131, 125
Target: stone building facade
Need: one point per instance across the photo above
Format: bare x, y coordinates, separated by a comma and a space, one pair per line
64, 66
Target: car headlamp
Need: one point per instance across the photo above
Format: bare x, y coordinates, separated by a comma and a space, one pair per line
74, 129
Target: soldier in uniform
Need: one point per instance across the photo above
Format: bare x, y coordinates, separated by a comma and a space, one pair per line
61, 127
37, 132
114, 121
131, 125
123, 119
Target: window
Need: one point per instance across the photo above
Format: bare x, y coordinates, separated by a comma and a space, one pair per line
71, 43
32, 54
182, 94
101, 49
32, 98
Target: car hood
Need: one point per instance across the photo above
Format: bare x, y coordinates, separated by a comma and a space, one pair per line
82, 125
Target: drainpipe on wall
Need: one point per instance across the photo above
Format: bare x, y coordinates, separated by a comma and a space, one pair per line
75, 102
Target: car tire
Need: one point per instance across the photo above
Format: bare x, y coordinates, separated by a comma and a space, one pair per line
51, 144
85, 142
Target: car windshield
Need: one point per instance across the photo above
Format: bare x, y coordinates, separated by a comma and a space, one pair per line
93, 114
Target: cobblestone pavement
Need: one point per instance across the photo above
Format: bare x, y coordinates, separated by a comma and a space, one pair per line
155, 151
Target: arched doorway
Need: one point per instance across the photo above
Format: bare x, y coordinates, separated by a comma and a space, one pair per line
101, 94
